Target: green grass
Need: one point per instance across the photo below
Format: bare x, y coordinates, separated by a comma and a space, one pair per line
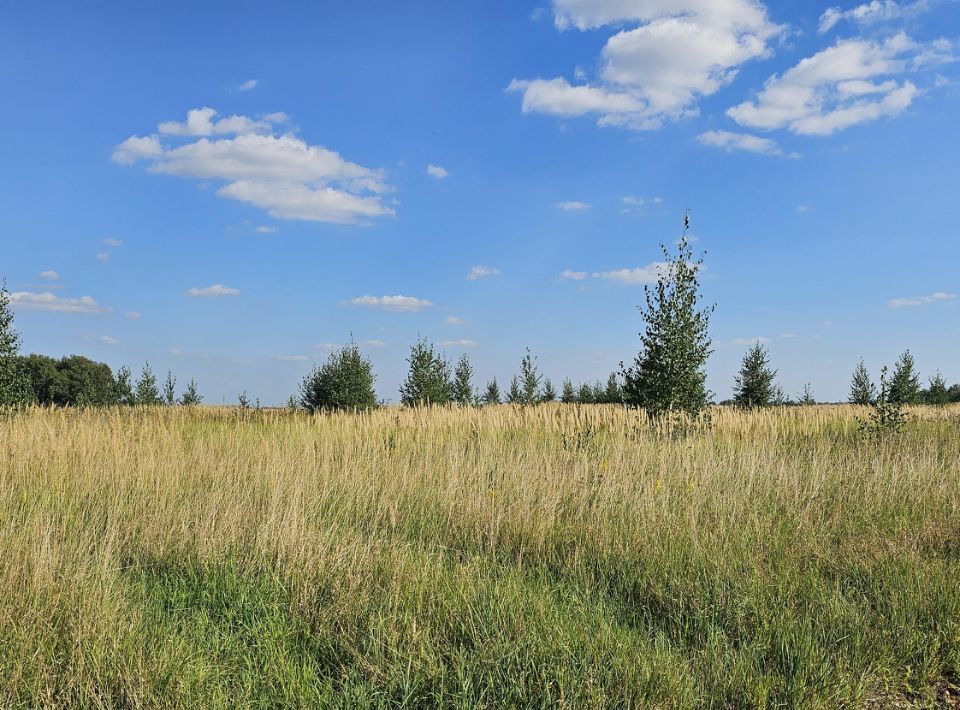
476, 559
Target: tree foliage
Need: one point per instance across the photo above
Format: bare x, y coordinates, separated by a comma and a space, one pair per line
529, 380
492, 393
463, 382
191, 396
905, 383
937, 393
428, 378
343, 382
862, 390
668, 374
754, 385
14, 388
146, 392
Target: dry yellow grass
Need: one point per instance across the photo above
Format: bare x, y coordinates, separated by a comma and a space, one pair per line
494, 556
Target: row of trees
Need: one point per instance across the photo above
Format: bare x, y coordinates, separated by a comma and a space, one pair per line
667, 375
755, 384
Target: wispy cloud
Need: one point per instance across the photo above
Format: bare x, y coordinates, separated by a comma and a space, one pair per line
569, 275
214, 291
373, 343
730, 142
438, 172
264, 229
482, 272
389, 303
572, 206
103, 257
454, 320
873, 12
292, 358
47, 301
111, 242
749, 341
50, 275
937, 297
459, 343
108, 340
132, 315
248, 85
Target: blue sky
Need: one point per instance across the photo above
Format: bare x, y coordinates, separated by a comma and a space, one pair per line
227, 190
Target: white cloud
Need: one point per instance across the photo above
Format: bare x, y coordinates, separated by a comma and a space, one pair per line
373, 343
50, 275
840, 86
482, 272
202, 356
572, 206
109, 340
46, 301
281, 174
214, 291
199, 123
263, 229
293, 358
634, 201
789, 336
103, 257
459, 343
137, 148
438, 172
111, 242
750, 341
389, 303
132, 315
936, 297
802, 208
569, 275
248, 85
662, 57
729, 141
873, 12
639, 275
454, 320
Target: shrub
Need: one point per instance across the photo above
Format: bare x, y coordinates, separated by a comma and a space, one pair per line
428, 379
343, 382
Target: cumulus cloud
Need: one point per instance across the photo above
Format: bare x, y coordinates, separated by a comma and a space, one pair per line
482, 272
50, 275
281, 174
662, 56
389, 303
459, 343
730, 142
841, 86
46, 301
214, 291
438, 172
936, 297
572, 206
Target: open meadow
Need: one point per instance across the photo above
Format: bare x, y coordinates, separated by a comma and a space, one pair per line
479, 557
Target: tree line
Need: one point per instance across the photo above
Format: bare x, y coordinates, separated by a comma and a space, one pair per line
667, 375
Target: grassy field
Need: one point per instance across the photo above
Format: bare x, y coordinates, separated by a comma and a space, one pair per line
489, 557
